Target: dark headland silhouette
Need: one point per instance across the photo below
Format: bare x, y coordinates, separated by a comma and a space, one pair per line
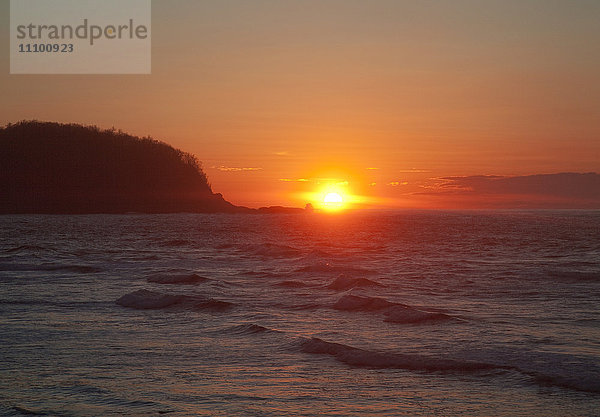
69, 169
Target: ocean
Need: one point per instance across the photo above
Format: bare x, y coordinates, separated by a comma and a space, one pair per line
384, 313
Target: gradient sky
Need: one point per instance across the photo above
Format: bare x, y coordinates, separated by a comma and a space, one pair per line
392, 97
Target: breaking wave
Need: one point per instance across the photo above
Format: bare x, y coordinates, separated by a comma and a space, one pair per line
370, 359
362, 358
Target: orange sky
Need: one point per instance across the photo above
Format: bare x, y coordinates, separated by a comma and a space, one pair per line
388, 96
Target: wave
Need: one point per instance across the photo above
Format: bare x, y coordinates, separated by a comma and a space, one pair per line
303, 306
264, 250
575, 276
371, 359
65, 305
177, 243
249, 329
12, 267
359, 303
213, 305
394, 312
25, 248
261, 274
28, 412
362, 358
78, 269
327, 268
49, 267
578, 383
273, 250
293, 284
151, 300
410, 315
178, 279
225, 246
316, 254
345, 282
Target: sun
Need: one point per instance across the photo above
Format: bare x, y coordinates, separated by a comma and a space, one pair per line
333, 201
329, 193
333, 198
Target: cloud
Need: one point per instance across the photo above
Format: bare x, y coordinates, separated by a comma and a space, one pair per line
413, 170
328, 181
236, 169
282, 153
567, 190
397, 183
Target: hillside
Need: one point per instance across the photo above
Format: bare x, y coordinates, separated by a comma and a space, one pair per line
68, 168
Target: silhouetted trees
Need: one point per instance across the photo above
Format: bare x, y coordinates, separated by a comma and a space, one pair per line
69, 168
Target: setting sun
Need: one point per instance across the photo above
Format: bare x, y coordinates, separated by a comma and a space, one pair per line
333, 198
333, 201
331, 193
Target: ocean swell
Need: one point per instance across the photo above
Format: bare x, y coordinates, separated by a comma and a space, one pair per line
177, 279
409, 315
393, 312
370, 359
152, 300
149, 300
359, 303
327, 268
345, 282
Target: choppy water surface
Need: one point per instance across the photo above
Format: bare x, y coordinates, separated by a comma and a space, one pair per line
395, 313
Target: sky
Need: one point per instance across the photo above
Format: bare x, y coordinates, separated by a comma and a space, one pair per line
432, 104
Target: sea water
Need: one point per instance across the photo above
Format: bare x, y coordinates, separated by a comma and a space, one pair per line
364, 313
